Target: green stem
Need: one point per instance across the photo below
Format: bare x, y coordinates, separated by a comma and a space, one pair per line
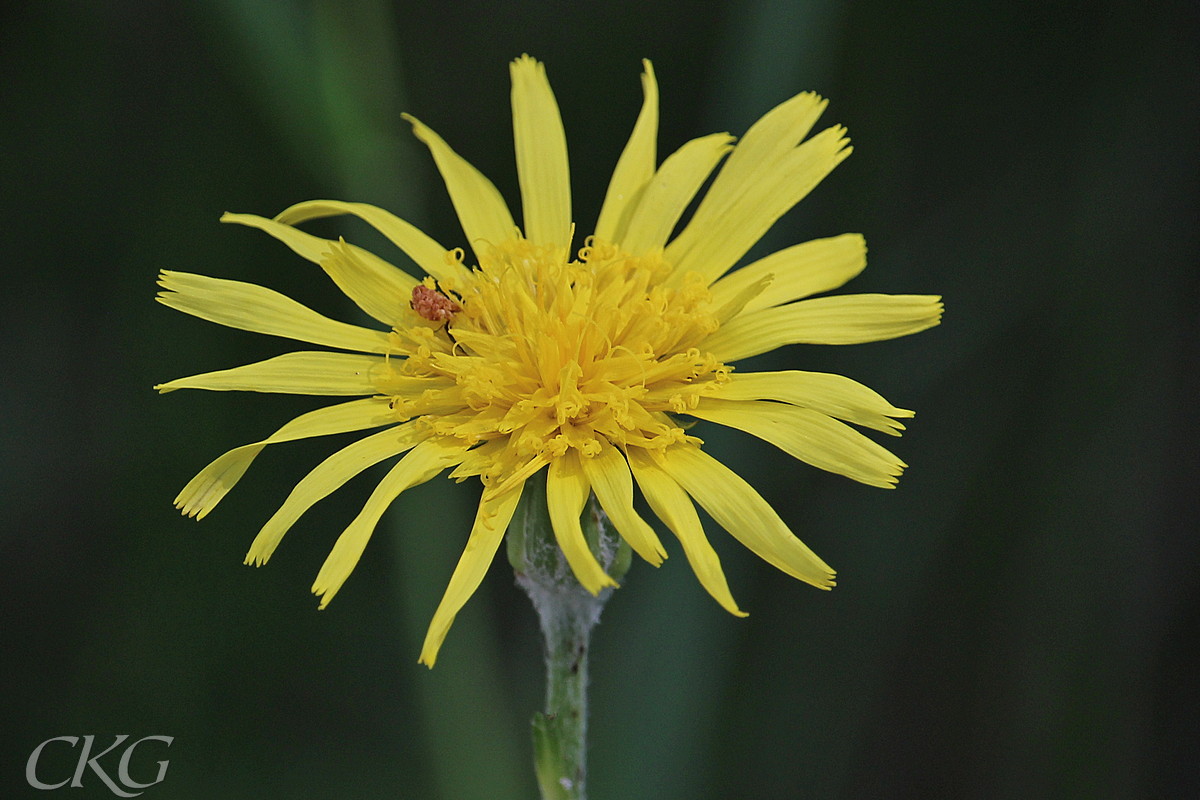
567, 613
560, 731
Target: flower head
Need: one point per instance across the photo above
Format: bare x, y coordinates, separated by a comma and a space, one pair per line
589, 364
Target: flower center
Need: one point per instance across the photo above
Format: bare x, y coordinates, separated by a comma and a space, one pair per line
545, 354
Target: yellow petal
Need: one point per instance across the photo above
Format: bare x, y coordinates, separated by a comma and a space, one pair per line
711, 244
772, 138
204, 491
481, 210
675, 509
566, 492
541, 147
754, 161
669, 191
423, 462
609, 476
416, 244
375, 286
491, 520
808, 435
835, 395
800, 271
739, 509
294, 373
635, 166
261, 310
328, 476
842, 319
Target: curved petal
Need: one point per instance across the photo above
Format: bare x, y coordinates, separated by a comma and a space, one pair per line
757, 157
835, 395
480, 208
711, 244
754, 161
842, 319
491, 520
423, 462
415, 243
378, 288
204, 491
255, 308
294, 373
675, 509
808, 435
739, 509
634, 167
566, 492
328, 476
609, 477
670, 190
541, 148
797, 272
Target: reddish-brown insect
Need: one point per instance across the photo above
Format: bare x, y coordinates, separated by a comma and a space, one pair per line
433, 305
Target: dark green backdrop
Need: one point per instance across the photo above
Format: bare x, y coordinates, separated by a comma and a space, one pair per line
1016, 621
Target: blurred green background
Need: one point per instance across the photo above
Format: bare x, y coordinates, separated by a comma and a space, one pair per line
1016, 621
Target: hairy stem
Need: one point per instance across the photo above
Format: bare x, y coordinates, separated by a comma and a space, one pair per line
567, 613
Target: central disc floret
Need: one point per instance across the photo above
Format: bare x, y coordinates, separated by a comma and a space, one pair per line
543, 354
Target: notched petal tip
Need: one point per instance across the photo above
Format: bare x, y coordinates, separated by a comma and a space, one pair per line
189, 510
830, 579
524, 62
324, 593
602, 582
609, 584
420, 129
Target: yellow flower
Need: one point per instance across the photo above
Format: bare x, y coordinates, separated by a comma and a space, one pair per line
532, 358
